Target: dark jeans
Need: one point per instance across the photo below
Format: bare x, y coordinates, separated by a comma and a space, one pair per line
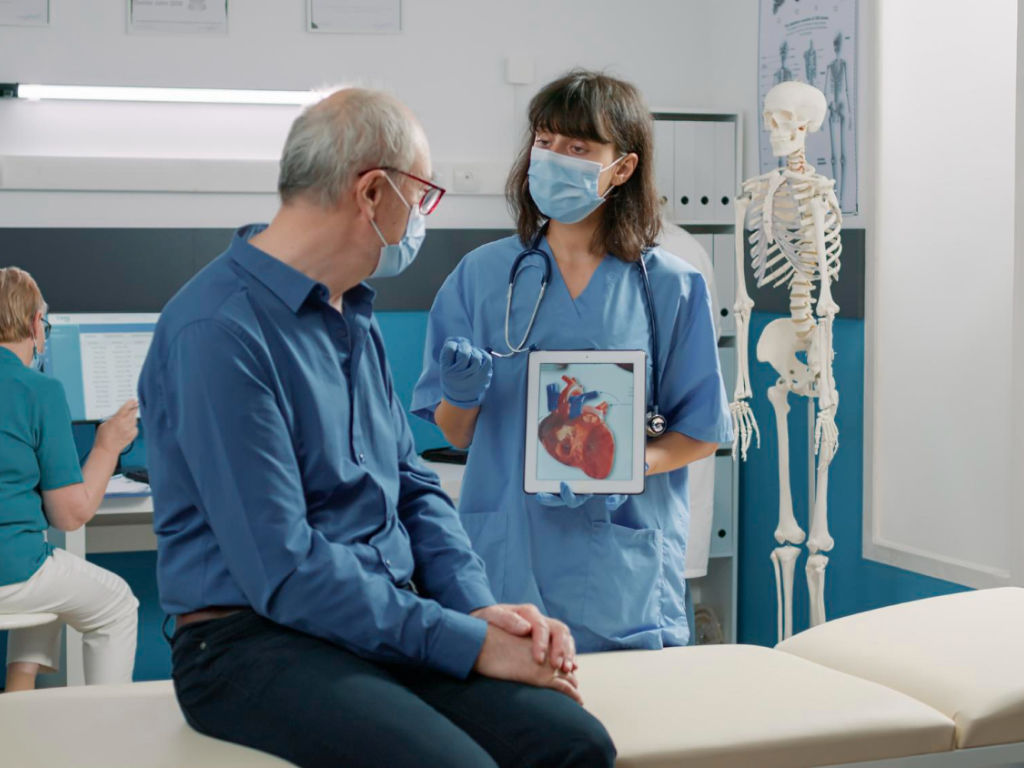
247, 680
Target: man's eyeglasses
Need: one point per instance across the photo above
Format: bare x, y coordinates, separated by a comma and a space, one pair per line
431, 197
46, 329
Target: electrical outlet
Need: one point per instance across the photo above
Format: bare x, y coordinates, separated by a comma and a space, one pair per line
466, 179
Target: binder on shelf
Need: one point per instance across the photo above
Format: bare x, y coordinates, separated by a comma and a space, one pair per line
722, 538
725, 172
724, 259
664, 165
704, 162
685, 198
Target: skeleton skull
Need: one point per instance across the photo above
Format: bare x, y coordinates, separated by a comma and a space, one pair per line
791, 111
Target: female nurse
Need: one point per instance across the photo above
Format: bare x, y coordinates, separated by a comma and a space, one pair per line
43, 484
582, 192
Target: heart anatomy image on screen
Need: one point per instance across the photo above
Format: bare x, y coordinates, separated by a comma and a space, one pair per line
581, 431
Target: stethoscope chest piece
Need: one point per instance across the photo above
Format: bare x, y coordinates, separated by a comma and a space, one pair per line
656, 424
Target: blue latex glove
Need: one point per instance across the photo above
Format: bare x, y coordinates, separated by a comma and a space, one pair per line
566, 498
465, 372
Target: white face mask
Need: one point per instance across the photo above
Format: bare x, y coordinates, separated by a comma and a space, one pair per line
395, 258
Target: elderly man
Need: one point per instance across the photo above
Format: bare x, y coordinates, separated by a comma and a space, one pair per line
328, 606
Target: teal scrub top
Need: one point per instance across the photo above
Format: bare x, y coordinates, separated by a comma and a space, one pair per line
37, 453
615, 577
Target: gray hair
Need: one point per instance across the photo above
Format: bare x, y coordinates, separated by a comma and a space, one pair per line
334, 140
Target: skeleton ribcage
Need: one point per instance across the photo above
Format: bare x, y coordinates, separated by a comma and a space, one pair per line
782, 247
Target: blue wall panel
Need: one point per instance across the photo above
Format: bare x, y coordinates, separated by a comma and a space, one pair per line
852, 584
404, 335
153, 654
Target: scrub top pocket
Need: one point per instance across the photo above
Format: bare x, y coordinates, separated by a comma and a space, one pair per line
623, 594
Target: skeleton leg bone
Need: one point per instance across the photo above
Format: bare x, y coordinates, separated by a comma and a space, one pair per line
816, 588
784, 559
819, 539
788, 530
778, 593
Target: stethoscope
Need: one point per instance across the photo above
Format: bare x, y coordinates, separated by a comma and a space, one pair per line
656, 422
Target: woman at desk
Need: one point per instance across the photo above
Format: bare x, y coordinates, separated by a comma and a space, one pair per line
42, 484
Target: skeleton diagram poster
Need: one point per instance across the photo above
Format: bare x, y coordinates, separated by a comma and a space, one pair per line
815, 42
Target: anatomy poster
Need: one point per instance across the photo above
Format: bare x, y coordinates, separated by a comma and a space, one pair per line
815, 42
585, 422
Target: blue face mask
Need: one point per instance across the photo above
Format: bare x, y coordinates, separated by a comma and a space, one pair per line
565, 188
394, 259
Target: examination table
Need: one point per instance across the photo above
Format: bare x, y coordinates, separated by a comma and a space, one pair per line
931, 683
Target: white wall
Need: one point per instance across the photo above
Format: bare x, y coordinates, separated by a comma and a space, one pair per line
941, 294
448, 65
1017, 387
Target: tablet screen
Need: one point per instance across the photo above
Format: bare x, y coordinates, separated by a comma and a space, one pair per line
585, 423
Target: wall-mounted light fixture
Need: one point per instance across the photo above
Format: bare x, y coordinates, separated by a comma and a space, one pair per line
167, 95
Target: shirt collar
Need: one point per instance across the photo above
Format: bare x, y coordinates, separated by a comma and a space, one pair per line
285, 282
9, 358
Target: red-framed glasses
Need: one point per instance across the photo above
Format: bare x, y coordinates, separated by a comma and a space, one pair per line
431, 197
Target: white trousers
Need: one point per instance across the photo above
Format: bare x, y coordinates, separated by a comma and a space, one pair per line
96, 602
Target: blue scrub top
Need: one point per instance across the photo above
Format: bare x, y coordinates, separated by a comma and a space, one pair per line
37, 453
616, 578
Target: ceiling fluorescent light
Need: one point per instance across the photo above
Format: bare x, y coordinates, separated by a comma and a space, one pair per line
174, 95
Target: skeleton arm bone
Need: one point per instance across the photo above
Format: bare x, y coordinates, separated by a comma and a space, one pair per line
828, 397
744, 424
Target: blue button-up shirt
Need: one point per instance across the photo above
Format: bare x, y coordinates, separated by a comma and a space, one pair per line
284, 472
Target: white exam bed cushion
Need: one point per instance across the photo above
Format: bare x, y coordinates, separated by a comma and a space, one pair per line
963, 654
715, 706
741, 706
136, 725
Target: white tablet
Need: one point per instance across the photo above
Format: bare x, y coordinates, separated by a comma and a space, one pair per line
585, 413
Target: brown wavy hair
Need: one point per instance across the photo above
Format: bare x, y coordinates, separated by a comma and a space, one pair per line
595, 107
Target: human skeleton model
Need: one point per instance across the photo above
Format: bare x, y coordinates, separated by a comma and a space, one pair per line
795, 221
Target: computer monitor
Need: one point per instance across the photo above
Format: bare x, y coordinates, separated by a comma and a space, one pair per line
98, 358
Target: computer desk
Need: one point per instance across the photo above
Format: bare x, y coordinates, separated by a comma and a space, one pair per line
125, 524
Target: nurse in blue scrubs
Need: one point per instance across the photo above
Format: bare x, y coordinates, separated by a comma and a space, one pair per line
582, 192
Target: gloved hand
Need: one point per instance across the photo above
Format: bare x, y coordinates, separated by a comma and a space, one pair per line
465, 372
566, 498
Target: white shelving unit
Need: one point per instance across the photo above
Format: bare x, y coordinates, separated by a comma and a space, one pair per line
698, 171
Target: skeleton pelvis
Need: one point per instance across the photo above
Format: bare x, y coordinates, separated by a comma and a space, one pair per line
779, 346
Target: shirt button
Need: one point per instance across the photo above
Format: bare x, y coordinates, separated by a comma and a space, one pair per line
387, 563
362, 457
